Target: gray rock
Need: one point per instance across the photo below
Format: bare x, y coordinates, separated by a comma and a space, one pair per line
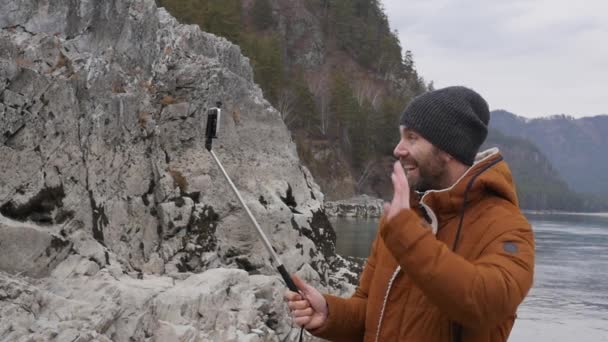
360, 206
217, 305
86, 246
176, 111
102, 115
30, 250
12, 99
175, 216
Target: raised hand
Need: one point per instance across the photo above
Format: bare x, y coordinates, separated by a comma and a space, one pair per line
401, 193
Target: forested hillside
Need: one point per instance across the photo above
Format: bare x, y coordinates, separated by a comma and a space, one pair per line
578, 148
335, 71
539, 185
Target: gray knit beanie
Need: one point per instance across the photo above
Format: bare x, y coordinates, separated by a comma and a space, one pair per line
454, 119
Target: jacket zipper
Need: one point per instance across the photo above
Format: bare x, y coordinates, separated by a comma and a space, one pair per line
388, 290
434, 225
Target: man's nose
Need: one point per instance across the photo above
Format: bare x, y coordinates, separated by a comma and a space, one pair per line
400, 150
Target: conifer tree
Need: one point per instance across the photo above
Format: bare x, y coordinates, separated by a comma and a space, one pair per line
266, 54
306, 109
187, 11
223, 18
262, 14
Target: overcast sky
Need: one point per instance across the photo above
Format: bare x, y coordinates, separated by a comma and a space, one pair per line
531, 57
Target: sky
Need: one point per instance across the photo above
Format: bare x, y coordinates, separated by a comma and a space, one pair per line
534, 58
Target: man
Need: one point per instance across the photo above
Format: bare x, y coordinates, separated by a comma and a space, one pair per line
452, 261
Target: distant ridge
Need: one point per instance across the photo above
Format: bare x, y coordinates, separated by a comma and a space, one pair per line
577, 148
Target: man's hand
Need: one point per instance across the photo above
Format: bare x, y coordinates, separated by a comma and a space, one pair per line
309, 311
401, 193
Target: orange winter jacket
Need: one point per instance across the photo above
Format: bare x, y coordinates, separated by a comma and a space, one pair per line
418, 286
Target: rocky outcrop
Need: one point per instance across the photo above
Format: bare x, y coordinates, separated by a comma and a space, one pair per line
216, 305
115, 224
29, 250
302, 33
360, 206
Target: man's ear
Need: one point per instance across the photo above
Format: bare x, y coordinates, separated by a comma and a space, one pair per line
445, 156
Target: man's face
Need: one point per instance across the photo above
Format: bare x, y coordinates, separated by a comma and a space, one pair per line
424, 166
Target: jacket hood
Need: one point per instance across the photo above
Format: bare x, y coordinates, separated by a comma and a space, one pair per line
489, 175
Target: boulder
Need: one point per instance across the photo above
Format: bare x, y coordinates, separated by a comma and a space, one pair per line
30, 250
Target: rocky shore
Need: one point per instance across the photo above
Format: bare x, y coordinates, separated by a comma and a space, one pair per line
359, 206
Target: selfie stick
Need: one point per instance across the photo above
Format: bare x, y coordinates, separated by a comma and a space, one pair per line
213, 125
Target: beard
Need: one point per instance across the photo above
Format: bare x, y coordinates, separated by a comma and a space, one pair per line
426, 171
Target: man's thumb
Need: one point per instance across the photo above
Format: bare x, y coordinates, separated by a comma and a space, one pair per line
300, 284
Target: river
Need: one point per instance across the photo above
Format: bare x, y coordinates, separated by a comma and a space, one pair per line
569, 299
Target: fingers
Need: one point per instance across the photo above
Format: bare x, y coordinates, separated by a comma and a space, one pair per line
400, 192
308, 307
403, 177
300, 308
291, 296
398, 168
302, 313
394, 180
302, 317
298, 305
398, 177
397, 181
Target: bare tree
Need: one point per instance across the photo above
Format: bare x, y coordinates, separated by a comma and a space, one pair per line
365, 174
365, 90
286, 105
320, 88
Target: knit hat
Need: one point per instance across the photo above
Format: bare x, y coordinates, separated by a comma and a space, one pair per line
454, 119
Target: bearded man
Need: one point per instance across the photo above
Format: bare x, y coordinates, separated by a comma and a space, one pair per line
454, 255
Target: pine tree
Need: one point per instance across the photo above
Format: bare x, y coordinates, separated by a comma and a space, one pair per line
340, 105
187, 11
359, 135
305, 108
350, 124
266, 54
385, 134
262, 14
343, 17
223, 18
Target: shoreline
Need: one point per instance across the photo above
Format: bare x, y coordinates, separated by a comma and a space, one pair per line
558, 212
525, 211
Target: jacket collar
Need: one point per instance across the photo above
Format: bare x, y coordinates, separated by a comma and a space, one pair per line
446, 203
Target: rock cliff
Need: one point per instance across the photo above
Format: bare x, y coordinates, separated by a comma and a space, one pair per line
115, 223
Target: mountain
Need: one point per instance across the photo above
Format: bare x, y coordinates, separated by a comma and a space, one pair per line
576, 147
335, 71
539, 185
